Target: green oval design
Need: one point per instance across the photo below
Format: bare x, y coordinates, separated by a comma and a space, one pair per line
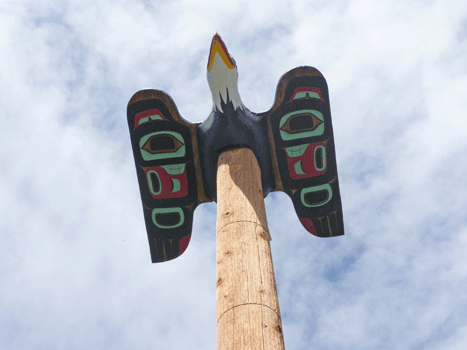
323, 152
325, 187
168, 211
148, 175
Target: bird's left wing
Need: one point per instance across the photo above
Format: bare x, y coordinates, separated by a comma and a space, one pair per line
165, 150
302, 150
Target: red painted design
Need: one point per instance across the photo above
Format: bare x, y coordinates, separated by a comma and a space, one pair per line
308, 225
308, 162
184, 244
147, 113
307, 89
166, 183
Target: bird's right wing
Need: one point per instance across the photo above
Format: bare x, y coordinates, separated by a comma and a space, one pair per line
302, 150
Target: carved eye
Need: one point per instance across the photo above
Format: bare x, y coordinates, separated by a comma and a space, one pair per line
162, 145
301, 124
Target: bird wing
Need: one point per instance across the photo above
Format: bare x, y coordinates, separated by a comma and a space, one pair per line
302, 150
165, 149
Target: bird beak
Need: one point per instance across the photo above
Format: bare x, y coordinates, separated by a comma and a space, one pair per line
218, 47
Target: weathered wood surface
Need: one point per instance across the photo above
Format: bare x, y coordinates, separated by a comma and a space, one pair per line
247, 311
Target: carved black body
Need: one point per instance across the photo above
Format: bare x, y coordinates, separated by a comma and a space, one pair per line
234, 128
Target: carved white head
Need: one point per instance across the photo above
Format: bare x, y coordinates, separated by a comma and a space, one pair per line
222, 75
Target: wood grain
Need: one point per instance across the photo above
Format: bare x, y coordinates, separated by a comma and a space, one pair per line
247, 311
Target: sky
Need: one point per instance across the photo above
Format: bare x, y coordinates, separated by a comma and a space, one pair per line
75, 267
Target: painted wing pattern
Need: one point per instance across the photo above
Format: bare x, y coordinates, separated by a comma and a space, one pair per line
302, 142
169, 174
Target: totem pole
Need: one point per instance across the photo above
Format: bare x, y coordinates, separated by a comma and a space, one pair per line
236, 157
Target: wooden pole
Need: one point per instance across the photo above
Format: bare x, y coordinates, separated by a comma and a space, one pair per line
247, 307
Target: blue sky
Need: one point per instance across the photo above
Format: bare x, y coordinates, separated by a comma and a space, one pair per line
74, 259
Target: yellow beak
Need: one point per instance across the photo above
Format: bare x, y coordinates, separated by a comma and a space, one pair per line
218, 46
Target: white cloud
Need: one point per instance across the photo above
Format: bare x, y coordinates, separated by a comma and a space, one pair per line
74, 259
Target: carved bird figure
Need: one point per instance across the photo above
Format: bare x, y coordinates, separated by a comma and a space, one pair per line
176, 161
